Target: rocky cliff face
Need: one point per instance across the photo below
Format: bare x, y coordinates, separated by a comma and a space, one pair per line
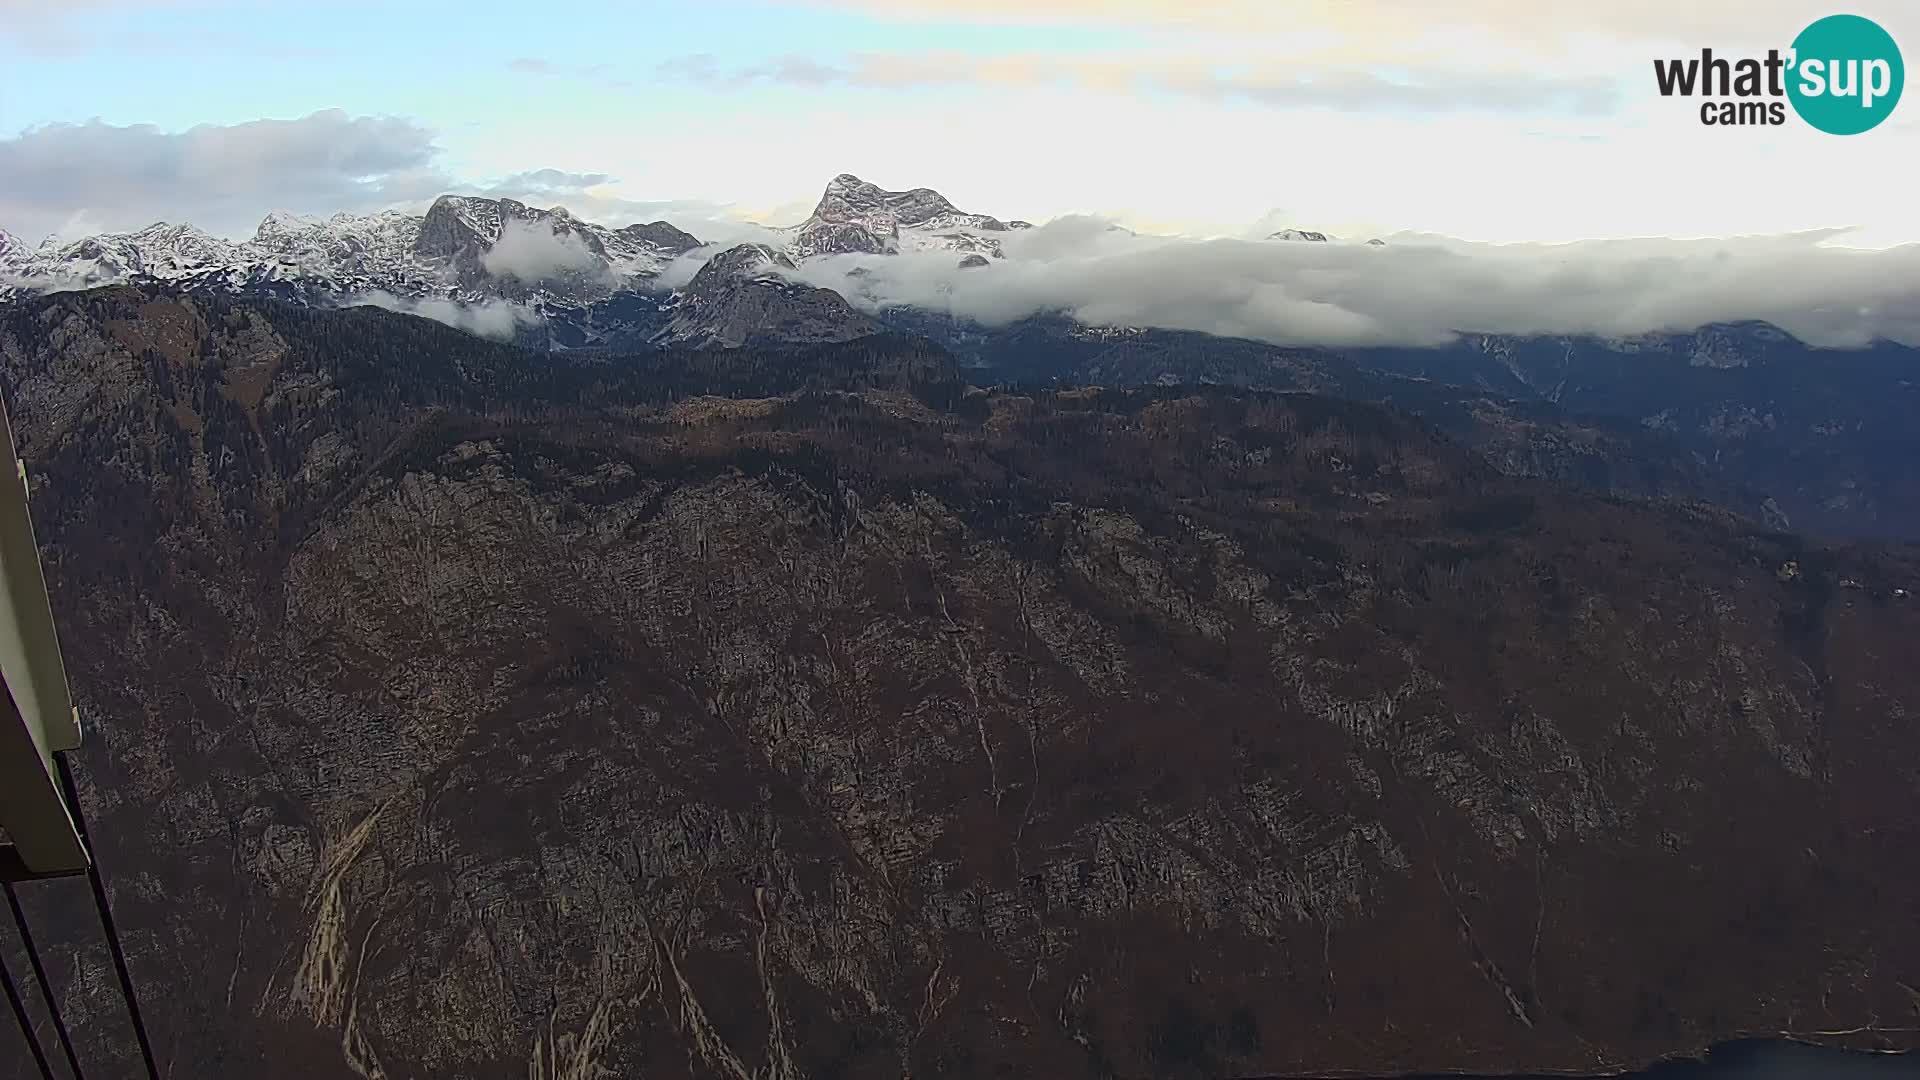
459, 711
857, 217
741, 297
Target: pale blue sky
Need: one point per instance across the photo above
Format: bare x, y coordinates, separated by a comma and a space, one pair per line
1493, 119
450, 64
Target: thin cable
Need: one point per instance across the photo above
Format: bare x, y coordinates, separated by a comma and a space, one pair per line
25, 1022
40, 976
106, 915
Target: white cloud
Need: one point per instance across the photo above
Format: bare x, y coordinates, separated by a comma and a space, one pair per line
1191, 165
677, 273
1170, 112
547, 182
223, 178
1414, 291
532, 251
46, 283
494, 319
709, 220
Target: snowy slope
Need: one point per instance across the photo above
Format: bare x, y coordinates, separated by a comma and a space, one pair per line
159, 250
349, 251
471, 249
856, 216
444, 252
583, 283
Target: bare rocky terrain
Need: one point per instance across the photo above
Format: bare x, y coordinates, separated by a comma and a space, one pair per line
463, 711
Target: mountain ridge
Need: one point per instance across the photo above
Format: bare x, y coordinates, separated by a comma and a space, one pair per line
854, 216
1802, 437
442, 251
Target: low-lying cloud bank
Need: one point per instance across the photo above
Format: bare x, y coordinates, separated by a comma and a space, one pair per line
44, 283
494, 318
533, 252
1415, 290
678, 272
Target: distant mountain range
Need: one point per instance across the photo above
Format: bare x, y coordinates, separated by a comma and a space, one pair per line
474, 249
444, 252
1791, 435
596, 286
471, 250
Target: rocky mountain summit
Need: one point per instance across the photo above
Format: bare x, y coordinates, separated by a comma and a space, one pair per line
854, 216
740, 297
460, 711
467, 235
573, 283
454, 250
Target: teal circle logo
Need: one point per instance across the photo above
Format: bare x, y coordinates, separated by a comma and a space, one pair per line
1846, 75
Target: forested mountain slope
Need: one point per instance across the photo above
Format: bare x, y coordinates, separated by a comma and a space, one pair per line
459, 711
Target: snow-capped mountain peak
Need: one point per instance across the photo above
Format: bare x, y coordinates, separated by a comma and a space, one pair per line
474, 249
849, 198
179, 246
283, 223
457, 223
855, 216
1298, 234
444, 252
159, 250
742, 262
471, 247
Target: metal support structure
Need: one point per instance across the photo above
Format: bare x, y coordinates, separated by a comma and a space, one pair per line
37, 717
26, 1022
106, 917
39, 801
45, 984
